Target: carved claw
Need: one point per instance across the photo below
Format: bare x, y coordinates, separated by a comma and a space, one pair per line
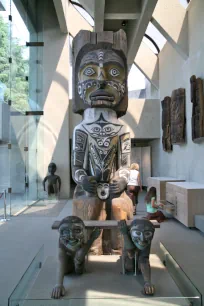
58, 291
96, 233
148, 289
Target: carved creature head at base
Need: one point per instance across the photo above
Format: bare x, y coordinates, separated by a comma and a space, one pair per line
103, 191
72, 233
100, 77
52, 168
142, 232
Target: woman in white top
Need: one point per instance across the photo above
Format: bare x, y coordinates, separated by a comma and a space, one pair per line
134, 185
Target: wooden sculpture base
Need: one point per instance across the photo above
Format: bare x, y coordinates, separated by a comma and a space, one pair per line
89, 207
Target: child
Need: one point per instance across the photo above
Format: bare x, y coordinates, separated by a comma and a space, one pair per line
154, 213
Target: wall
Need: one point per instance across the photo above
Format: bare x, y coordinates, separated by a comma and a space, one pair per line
186, 161
142, 118
53, 127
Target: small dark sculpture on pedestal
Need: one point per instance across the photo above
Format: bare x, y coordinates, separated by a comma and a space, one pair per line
53, 179
137, 244
72, 250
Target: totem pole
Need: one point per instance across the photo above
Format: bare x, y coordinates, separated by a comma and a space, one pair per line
101, 144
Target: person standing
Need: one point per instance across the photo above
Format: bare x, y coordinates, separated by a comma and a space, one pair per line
134, 185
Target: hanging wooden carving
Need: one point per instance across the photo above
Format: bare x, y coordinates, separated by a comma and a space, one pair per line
166, 124
197, 98
178, 118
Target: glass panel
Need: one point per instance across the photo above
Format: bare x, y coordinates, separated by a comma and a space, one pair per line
185, 285
20, 59
101, 302
17, 161
4, 52
18, 295
34, 287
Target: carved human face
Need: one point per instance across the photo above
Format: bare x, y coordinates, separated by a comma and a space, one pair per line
102, 78
72, 235
141, 235
52, 168
103, 191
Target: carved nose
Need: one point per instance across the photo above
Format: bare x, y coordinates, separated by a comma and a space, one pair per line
101, 85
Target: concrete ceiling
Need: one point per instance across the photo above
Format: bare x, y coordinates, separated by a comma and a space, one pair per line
131, 15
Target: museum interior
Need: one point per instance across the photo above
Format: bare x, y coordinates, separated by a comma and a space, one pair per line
85, 219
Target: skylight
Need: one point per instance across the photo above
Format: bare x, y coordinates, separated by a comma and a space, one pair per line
156, 36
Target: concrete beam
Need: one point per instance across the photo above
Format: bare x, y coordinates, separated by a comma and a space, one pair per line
140, 25
61, 7
147, 62
176, 30
125, 16
99, 10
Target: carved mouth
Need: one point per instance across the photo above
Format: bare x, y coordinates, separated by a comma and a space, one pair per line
101, 95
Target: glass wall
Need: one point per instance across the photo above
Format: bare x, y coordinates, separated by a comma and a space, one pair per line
21, 56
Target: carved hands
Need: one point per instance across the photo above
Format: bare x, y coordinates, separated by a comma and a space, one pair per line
118, 185
148, 289
89, 184
95, 234
58, 291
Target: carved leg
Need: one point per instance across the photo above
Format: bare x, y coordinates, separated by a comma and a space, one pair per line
121, 209
89, 208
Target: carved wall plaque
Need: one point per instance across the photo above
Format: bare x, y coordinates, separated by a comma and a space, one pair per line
178, 118
166, 124
197, 98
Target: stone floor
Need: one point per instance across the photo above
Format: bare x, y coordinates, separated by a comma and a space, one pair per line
22, 237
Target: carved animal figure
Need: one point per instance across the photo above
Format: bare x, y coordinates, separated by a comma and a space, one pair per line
137, 243
72, 250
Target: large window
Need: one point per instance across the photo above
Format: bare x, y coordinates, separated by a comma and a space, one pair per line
20, 93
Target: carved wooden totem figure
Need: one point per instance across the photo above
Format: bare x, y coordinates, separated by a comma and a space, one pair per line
178, 118
166, 124
197, 99
101, 144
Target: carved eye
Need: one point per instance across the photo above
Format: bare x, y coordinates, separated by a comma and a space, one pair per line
77, 230
114, 72
89, 71
148, 234
136, 233
96, 129
108, 129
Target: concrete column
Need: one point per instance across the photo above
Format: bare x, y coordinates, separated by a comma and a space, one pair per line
53, 127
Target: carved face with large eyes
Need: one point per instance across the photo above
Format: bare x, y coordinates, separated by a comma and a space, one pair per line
72, 233
102, 78
142, 232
